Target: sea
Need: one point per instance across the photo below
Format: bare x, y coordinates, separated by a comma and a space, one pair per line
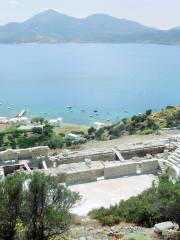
87, 83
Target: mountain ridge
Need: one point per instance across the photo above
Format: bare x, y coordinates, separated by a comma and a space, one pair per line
53, 27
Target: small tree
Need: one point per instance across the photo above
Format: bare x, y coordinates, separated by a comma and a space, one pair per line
46, 209
47, 130
10, 204
37, 130
91, 131
56, 141
148, 112
37, 120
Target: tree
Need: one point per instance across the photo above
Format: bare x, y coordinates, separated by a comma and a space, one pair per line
47, 130
10, 204
1, 139
99, 133
148, 112
91, 131
27, 142
56, 141
46, 210
37, 130
156, 204
37, 120
170, 107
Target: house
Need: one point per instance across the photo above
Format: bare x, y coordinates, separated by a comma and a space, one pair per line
56, 122
102, 124
73, 137
19, 120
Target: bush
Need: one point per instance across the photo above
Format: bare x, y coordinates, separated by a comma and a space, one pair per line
56, 142
154, 205
34, 207
137, 236
37, 130
27, 142
91, 131
38, 120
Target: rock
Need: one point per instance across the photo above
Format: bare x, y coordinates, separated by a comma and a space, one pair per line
164, 226
114, 229
85, 238
148, 156
171, 234
116, 235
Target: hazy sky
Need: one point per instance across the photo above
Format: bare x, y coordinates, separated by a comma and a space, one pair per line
157, 13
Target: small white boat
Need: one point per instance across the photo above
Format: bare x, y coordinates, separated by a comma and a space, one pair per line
69, 107
21, 114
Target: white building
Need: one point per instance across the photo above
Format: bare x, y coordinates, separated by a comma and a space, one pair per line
17, 120
56, 122
1, 173
99, 125
73, 137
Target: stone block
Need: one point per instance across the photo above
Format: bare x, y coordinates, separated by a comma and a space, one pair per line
119, 171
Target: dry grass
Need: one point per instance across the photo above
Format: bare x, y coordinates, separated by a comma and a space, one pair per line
4, 127
67, 128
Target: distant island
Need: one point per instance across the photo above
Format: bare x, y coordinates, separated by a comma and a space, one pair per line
52, 27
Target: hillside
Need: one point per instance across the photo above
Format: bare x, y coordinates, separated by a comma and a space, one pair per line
52, 27
146, 123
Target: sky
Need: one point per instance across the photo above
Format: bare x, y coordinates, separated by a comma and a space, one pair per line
163, 14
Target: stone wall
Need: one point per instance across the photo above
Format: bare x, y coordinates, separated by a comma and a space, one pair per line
29, 153
93, 157
39, 151
77, 173
80, 177
80, 157
9, 155
119, 171
150, 166
142, 152
127, 169
24, 153
105, 155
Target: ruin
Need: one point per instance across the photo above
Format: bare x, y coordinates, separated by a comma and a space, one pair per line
75, 167
22, 159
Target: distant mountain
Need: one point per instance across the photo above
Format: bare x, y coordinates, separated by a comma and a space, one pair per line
52, 27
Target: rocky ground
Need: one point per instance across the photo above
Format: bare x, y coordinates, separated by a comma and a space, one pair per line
133, 139
87, 229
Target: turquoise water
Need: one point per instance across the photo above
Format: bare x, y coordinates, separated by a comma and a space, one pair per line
118, 80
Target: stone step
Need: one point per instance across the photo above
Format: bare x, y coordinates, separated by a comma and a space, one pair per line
175, 158
118, 154
177, 154
172, 161
162, 167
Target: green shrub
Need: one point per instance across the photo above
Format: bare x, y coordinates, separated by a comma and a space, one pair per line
137, 236
153, 205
